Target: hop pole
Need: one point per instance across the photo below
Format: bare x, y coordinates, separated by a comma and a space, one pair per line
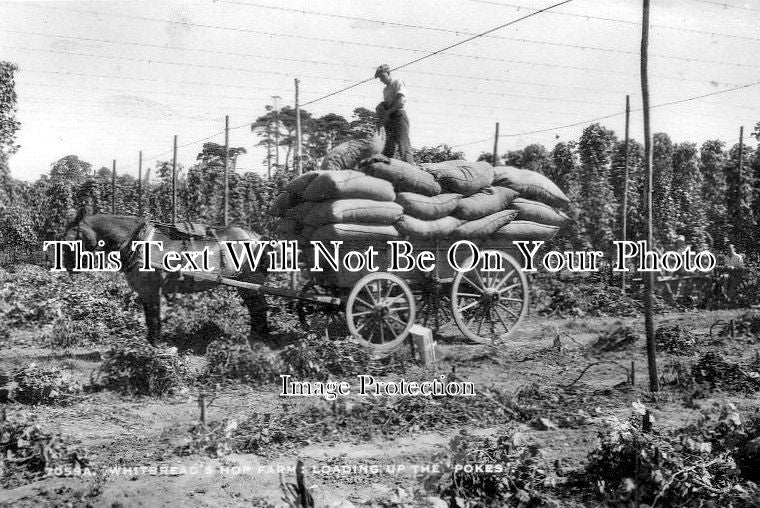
174, 182
226, 156
139, 185
654, 383
113, 189
496, 146
625, 184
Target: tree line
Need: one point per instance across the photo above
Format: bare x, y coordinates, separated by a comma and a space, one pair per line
701, 192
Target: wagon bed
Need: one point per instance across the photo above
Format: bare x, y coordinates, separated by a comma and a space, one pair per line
381, 307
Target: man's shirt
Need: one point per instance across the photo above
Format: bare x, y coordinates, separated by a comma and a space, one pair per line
391, 90
735, 260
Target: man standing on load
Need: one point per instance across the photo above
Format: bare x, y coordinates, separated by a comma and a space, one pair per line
393, 117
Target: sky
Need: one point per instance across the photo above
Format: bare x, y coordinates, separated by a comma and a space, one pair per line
105, 79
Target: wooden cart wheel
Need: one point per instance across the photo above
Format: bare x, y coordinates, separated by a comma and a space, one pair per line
433, 304
489, 305
380, 311
320, 317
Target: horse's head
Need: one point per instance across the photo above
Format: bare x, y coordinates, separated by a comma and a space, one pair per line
77, 230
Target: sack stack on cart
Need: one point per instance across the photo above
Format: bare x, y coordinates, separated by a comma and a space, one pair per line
433, 206
390, 199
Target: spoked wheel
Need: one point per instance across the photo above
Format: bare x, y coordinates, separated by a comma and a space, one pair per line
433, 304
489, 305
380, 311
319, 316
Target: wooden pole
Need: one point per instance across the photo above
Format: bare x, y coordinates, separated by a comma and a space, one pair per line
625, 183
741, 150
226, 156
174, 182
298, 168
297, 164
269, 148
654, 382
113, 189
139, 185
496, 146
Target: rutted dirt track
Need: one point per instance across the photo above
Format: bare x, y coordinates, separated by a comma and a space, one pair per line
536, 373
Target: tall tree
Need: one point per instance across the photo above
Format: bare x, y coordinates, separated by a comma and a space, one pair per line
8, 127
363, 123
329, 131
564, 164
534, 157
438, 153
565, 169
485, 156
739, 199
663, 207
264, 127
212, 154
67, 174
690, 216
712, 160
597, 223
8, 123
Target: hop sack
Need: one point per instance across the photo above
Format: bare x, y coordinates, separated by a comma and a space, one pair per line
486, 202
428, 207
299, 212
281, 203
363, 211
403, 176
427, 229
348, 184
298, 185
534, 211
486, 226
526, 230
348, 155
530, 185
462, 177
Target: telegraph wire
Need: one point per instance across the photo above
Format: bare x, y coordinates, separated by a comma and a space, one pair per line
627, 22
727, 5
458, 55
318, 62
612, 115
429, 55
464, 32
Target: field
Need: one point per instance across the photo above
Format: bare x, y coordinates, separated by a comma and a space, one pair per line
562, 410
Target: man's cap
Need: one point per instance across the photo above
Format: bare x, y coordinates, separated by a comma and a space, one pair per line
382, 68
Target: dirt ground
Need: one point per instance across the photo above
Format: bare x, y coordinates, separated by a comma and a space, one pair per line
124, 434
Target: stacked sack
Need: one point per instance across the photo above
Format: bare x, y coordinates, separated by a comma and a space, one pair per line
389, 199
338, 205
538, 215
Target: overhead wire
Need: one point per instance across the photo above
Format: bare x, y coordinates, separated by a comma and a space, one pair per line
625, 21
612, 115
449, 54
428, 55
316, 62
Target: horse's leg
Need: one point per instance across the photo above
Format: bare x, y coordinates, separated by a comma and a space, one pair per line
152, 307
257, 309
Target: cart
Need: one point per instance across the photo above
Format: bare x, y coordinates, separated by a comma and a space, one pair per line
380, 307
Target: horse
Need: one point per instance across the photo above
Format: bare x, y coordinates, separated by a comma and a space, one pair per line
116, 232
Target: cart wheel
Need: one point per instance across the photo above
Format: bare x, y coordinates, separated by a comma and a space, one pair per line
488, 305
433, 304
380, 311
